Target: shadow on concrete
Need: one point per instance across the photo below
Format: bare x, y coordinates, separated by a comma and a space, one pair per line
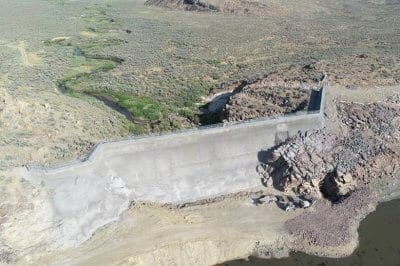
281, 137
264, 156
315, 100
212, 112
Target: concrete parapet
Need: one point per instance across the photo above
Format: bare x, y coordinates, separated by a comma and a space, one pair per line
170, 168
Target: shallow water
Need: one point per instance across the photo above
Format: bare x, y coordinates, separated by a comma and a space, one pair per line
379, 244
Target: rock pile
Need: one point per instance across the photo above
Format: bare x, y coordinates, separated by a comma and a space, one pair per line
338, 185
320, 164
300, 164
380, 118
285, 203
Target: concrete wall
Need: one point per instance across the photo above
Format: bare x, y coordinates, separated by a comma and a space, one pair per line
172, 168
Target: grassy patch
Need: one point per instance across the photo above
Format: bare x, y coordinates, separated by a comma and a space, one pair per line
100, 43
93, 65
142, 107
147, 114
81, 76
152, 115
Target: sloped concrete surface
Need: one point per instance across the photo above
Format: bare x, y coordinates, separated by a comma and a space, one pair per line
173, 168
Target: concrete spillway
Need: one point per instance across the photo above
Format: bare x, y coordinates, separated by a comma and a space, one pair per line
173, 168
167, 169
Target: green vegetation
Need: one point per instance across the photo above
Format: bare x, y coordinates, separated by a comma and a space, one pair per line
148, 110
142, 107
149, 114
85, 76
81, 77
175, 58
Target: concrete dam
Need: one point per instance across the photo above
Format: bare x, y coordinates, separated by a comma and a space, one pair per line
172, 168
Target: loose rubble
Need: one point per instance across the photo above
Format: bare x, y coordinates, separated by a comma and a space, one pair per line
285, 203
263, 199
330, 225
321, 164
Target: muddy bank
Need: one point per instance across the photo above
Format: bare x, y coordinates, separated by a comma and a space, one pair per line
379, 244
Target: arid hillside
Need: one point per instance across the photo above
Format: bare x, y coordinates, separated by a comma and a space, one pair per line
75, 73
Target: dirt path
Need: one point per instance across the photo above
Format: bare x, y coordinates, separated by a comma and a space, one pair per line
26, 58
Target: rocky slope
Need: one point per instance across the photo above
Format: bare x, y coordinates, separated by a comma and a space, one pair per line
324, 164
345, 172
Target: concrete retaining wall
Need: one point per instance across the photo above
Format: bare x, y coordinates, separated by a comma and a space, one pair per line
172, 168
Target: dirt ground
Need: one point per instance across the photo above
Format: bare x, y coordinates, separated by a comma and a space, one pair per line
148, 235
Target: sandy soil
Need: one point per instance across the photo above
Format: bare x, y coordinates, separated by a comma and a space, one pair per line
27, 59
206, 234
48, 127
